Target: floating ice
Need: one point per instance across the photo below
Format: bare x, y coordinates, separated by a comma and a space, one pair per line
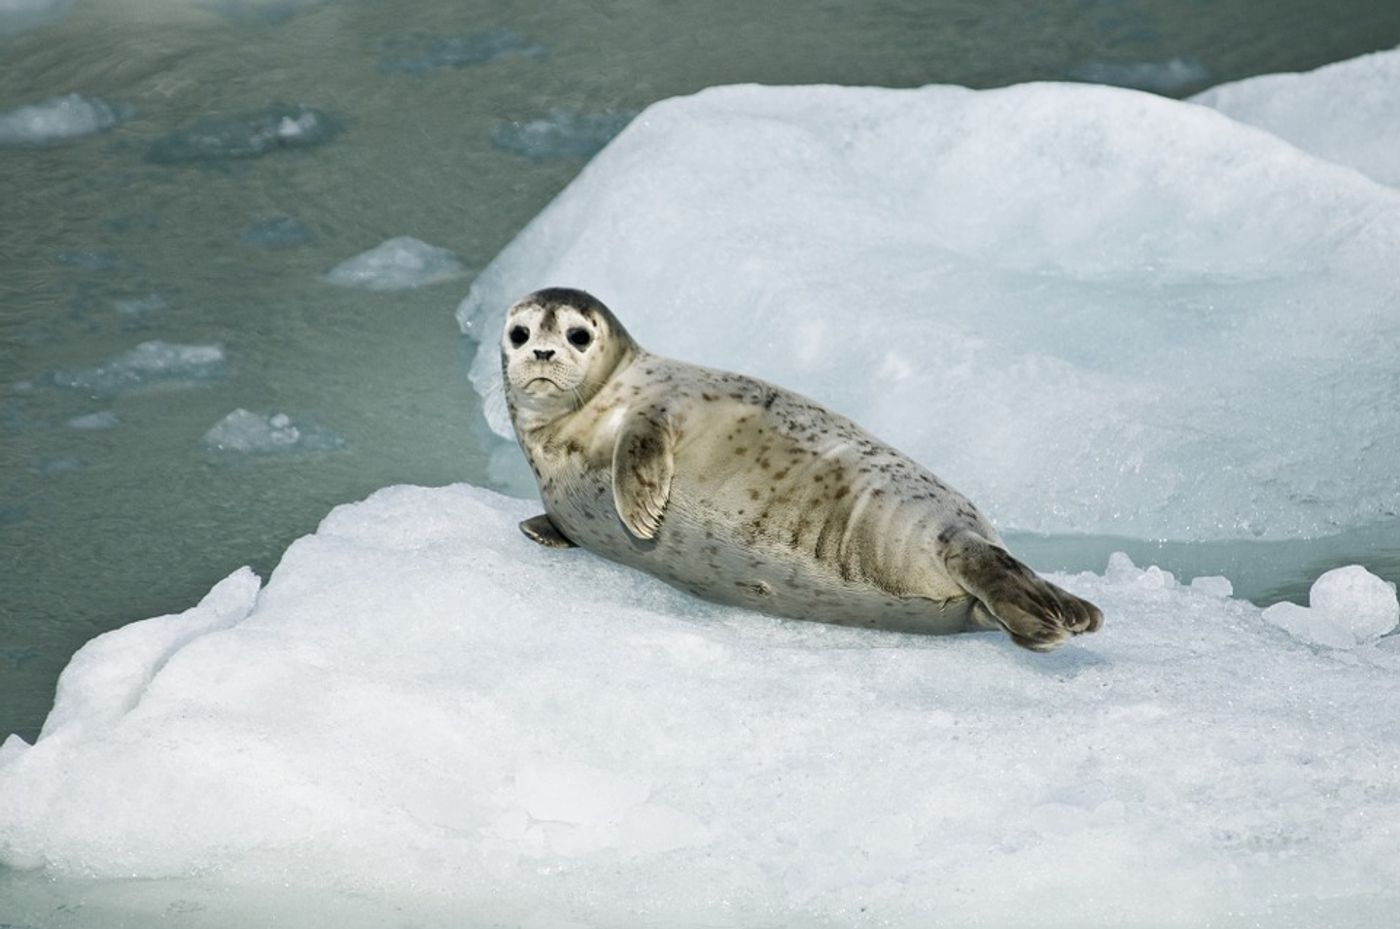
396, 264
423, 707
246, 135
419, 53
1090, 309
55, 120
278, 232
244, 432
148, 364
561, 134
139, 306
1157, 76
103, 419
1347, 112
1346, 607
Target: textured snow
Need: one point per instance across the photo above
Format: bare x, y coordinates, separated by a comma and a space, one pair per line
1346, 607
1348, 112
421, 705
397, 264
273, 128
55, 120
244, 432
148, 364
1090, 309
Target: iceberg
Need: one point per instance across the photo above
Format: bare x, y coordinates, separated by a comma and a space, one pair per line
423, 712
56, 120
1091, 309
397, 264
1347, 112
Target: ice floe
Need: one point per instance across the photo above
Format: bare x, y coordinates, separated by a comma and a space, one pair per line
421, 705
244, 432
396, 264
56, 120
1348, 112
148, 364
1091, 309
276, 127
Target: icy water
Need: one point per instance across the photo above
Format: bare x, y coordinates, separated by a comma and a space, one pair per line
112, 505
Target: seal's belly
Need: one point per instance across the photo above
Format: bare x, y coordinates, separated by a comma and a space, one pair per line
798, 537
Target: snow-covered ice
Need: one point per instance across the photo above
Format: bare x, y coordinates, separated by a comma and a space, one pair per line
1348, 112
1091, 309
420, 53
149, 364
423, 705
56, 120
561, 134
1157, 76
1346, 607
275, 127
397, 264
243, 432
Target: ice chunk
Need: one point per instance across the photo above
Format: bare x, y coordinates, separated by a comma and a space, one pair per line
1346, 607
1091, 309
244, 432
561, 134
148, 364
246, 135
1348, 112
1215, 586
278, 232
419, 53
396, 264
56, 120
103, 419
139, 306
1161, 77
421, 704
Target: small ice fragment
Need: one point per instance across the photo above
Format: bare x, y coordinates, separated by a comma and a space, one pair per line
147, 364
561, 134
1347, 607
418, 53
397, 264
278, 232
246, 432
1214, 585
56, 120
246, 135
104, 419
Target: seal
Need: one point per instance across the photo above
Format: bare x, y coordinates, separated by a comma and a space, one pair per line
744, 493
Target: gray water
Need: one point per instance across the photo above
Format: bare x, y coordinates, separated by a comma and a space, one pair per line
112, 240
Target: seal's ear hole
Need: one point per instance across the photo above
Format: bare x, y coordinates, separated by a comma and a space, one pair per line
519, 335
580, 337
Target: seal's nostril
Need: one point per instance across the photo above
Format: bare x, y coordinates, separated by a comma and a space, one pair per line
544, 354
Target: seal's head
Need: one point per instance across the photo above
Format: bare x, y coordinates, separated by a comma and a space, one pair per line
558, 348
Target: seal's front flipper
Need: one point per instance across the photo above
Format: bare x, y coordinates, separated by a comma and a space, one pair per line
1035, 613
643, 465
545, 532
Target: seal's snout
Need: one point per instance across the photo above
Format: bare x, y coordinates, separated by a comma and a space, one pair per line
544, 354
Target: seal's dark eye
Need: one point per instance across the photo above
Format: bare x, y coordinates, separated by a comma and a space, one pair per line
519, 335
579, 338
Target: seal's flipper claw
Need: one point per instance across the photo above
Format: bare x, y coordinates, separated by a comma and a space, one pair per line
542, 530
1035, 613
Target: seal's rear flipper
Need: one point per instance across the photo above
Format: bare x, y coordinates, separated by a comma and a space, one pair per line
545, 532
1035, 613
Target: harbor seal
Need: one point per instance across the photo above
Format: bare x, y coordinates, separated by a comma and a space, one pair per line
744, 493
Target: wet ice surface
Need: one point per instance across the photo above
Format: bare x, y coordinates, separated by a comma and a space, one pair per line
149, 364
1092, 310
623, 753
1348, 112
244, 432
561, 134
396, 264
276, 127
56, 120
